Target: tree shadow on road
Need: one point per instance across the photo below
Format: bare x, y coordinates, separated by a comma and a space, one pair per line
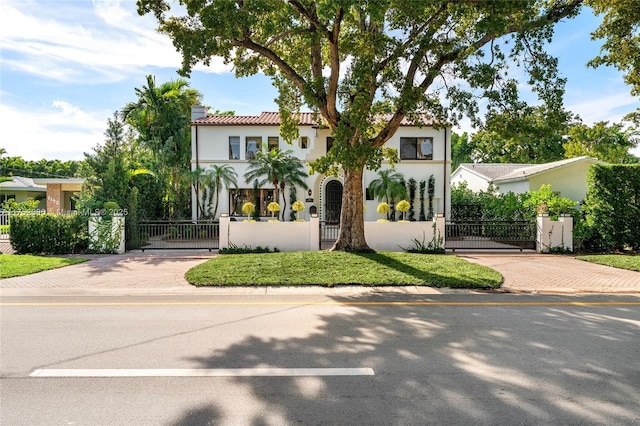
454, 364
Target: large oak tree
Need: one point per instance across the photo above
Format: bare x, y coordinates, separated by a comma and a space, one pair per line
352, 60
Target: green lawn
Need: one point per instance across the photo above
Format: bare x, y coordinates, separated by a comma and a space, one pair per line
16, 265
338, 268
623, 261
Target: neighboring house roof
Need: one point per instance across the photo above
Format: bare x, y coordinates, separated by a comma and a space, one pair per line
270, 119
499, 172
69, 180
22, 184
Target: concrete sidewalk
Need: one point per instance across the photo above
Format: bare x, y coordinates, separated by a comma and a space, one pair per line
162, 272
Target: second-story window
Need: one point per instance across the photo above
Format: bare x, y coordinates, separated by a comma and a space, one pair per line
303, 142
416, 148
273, 143
253, 144
234, 147
329, 143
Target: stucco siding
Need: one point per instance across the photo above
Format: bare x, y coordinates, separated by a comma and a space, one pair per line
210, 146
570, 181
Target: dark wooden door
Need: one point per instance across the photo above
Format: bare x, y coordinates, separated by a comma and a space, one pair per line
333, 201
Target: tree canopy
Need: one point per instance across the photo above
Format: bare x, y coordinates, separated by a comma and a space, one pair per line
350, 61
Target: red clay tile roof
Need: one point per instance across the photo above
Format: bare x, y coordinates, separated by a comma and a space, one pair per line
264, 119
268, 119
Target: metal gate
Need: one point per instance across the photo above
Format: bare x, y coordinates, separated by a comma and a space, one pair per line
328, 234
173, 235
490, 234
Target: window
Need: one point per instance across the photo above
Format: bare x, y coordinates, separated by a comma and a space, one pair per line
368, 194
416, 148
253, 144
6, 197
234, 147
237, 197
303, 142
273, 143
329, 143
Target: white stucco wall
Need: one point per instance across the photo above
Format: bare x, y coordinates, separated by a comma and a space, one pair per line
517, 187
210, 146
570, 181
474, 182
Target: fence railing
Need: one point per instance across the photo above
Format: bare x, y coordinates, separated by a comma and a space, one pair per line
184, 234
5, 218
329, 231
491, 235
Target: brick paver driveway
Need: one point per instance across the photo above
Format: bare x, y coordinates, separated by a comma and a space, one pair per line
555, 273
129, 271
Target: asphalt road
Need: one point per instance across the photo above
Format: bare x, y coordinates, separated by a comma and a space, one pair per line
319, 360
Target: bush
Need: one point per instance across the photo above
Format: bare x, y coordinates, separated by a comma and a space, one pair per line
49, 234
234, 249
612, 207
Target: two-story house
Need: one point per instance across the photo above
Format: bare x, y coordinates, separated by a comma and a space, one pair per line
234, 140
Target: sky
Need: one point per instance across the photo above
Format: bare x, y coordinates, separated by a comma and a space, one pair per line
67, 65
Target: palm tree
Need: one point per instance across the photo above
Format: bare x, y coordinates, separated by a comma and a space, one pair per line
198, 177
278, 168
161, 116
293, 175
388, 186
219, 176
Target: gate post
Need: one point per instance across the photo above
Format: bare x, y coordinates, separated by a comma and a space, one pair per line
314, 233
552, 234
223, 231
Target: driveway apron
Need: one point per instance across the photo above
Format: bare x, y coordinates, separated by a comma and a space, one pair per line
556, 274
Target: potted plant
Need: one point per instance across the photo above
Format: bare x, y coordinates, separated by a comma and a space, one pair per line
297, 207
403, 206
383, 209
274, 208
248, 208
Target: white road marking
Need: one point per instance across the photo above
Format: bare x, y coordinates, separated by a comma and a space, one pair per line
202, 372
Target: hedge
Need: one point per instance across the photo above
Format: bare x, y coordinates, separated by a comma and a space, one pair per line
612, 207
49, 234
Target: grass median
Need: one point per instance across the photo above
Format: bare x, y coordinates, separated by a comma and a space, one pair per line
330, 269
622, 261
17, 265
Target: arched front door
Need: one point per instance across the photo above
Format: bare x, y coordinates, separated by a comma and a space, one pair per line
333, 201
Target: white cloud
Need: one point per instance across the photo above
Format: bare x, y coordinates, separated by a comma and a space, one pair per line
62, 131
103, 43
612, 107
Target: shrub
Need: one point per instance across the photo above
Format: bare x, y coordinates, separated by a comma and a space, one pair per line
248, 208
403, 206
234, 249
49, 234
612, 207
297, 207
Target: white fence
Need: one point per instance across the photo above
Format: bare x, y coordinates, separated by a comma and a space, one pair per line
305, 236
5, 219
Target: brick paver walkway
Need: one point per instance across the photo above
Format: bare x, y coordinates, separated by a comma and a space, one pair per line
554, 273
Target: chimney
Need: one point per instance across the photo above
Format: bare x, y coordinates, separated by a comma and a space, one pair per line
198, 111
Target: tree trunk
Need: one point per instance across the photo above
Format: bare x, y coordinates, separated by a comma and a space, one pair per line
351, 237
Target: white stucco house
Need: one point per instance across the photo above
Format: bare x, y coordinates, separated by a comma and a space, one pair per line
233, 140
568, 178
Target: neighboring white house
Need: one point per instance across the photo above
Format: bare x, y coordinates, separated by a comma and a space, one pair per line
568, 178
233, 140
21, 189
